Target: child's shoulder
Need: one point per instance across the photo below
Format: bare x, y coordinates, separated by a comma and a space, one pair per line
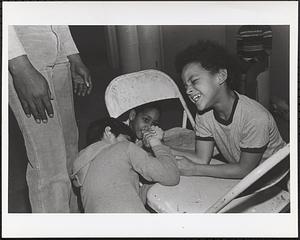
122, 144
252, 109
117, 148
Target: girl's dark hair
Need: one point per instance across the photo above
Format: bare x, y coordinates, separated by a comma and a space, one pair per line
212, 57
96, 129
147, 106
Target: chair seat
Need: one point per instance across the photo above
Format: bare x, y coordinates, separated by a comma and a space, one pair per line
197, 194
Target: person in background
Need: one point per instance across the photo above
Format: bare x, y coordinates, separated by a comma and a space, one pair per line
254, 46
242, 129
107, 171
43, 64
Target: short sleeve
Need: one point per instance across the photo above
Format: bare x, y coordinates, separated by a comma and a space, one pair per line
255, 136
203, 131
15, 47
67, 43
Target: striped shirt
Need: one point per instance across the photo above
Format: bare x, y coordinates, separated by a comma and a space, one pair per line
254, 42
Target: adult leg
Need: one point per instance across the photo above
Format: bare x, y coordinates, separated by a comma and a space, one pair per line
47, 176
64, 97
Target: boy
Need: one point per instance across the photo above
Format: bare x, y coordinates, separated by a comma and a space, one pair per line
108, 170
243, 130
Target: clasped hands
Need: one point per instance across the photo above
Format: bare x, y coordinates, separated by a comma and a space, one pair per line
152, 136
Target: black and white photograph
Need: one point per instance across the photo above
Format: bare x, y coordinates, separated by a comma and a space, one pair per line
149, 119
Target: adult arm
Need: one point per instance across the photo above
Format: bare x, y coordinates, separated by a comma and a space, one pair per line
31, 87
81, 77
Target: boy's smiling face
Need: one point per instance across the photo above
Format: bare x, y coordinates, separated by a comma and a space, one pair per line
201, 85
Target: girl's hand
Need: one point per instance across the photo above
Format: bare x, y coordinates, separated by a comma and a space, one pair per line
159, 133
153, 137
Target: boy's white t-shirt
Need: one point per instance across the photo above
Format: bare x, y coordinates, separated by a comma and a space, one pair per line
250, 128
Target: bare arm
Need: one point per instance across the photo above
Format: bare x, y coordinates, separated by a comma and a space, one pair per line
202, 154
32, 89
248, 161
82, 81
81, 77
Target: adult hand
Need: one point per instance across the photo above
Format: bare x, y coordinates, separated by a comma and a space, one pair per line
81, 77
32, 89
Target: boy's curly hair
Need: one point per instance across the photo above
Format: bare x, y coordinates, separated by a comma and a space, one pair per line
212, 57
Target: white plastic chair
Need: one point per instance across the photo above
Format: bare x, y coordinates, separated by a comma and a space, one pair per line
196, 194
131, 90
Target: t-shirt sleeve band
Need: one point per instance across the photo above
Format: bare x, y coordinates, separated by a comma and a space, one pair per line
205, 138
254, 150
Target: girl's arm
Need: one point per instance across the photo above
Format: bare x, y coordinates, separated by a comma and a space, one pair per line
162, 168
248, 161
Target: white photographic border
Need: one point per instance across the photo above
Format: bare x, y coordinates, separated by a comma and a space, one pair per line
153, 13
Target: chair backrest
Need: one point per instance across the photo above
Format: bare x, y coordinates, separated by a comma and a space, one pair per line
131, 90
252, 177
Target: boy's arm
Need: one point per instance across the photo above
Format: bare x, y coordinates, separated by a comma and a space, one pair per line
202, 154
162, 168
248, 161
